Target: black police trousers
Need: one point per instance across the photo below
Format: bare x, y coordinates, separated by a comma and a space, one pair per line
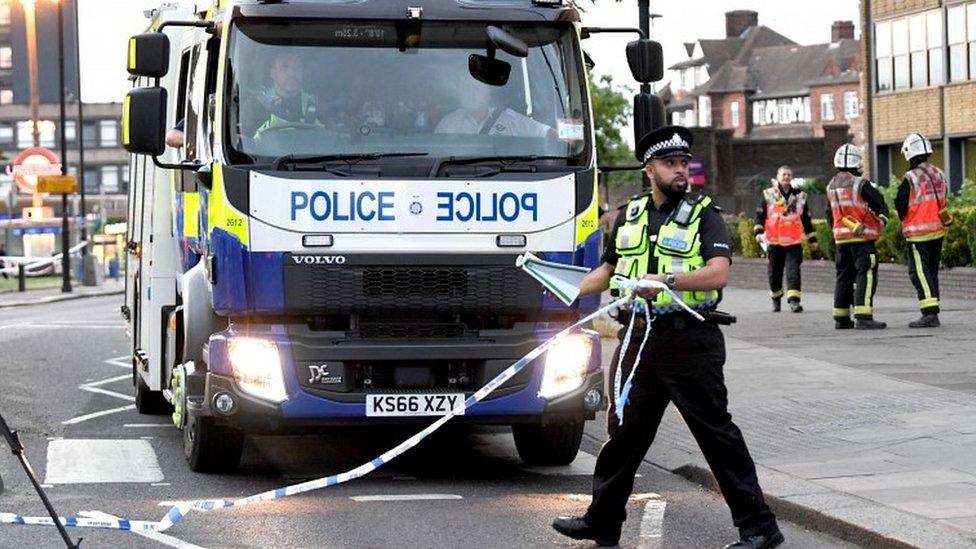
683, 367
786, 258
857, 280
923, 269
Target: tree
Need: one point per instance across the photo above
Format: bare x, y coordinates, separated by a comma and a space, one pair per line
611, 112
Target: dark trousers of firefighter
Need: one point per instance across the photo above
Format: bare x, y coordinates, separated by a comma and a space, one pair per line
786, 258
923, 269
857, 280
685, 368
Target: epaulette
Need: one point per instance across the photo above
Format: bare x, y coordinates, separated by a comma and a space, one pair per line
717, 208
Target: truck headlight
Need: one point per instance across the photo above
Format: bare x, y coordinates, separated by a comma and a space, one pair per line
566, 364
257, 368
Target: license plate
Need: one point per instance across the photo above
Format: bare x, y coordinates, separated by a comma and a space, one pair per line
412, 405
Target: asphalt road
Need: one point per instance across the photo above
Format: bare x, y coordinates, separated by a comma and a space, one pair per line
64, 379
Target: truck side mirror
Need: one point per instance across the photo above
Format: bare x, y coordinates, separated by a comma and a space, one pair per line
646, 59
507, 42
144, 121
649, 115
204, 177
149, 55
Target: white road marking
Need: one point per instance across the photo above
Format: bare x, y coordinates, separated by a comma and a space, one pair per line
86, 417
124, 361
109, 380
406, 497
155, 536
652, 523
89, 461
146, 425
99, 390
161, 484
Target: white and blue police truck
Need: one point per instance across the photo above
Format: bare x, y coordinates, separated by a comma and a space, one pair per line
327, 199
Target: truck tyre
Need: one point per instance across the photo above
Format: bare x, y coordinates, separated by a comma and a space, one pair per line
149, 402
552, 444
211, 448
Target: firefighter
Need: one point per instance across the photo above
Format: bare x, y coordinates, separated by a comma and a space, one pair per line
680, 240
783, 220
857, 214
921, 205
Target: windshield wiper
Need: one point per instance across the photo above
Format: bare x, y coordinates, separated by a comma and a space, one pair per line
505, 163
295, 160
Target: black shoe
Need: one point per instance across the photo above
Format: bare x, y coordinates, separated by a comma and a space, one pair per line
869, 324
580, 528
843, 324
930, 320
776, 305
763, 541
796, 307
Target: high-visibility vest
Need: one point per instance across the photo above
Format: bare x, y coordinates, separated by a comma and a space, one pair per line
844, 194
783, 224
677, 249
926, 199
307, 117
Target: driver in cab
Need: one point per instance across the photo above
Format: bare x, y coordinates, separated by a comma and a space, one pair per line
285, 101
477, 115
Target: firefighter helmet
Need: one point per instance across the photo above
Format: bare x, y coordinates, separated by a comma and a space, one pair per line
847, 157
916, 145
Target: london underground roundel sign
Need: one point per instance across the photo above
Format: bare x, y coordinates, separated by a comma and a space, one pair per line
31, 163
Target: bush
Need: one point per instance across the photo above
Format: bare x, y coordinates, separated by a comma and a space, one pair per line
957, 248
825, 238
732, 223
892, 247
747, 239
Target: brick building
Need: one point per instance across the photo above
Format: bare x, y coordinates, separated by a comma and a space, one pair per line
921, 78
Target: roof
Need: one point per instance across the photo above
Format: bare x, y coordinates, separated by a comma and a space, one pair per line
788, 71
717, 52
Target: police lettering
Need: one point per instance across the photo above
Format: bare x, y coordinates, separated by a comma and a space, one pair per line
465, 206
336, 206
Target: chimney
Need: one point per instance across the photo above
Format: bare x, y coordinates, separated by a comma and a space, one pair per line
736, 22
841, 30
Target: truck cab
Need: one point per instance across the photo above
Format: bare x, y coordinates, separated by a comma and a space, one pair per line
334, 240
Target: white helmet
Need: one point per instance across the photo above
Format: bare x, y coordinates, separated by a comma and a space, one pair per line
916, 145
847, 157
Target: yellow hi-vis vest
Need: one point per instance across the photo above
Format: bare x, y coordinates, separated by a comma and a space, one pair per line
677, 249
308, 110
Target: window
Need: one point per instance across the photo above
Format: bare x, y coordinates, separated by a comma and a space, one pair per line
971, 25
5, 15
936, 53
852, 108
110, 179
690, 118
70, 130
676, 118
25, 135
48, 130
701, 75
92, 180
919, 55
6, 58
108, 133
6, 96
6, 133
735, 114
90, 134
827, 106
882, 46
704, 111
899, 50
958, 64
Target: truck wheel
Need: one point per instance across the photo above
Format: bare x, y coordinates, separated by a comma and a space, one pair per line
211, 448
552, 444
149, 402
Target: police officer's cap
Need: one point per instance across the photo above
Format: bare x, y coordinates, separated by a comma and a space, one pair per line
665, 142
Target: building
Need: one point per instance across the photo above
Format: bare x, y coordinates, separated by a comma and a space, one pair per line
763, 85
922, 78
106, 175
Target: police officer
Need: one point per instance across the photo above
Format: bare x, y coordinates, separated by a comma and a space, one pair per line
857, 215
921, 206
285, 101
784, 220
680, 240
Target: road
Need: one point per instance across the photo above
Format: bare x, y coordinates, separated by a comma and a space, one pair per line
64, 383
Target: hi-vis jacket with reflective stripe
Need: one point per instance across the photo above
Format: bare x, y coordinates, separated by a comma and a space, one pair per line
784, 226
844, 194
927, 197
309, 107
676, 248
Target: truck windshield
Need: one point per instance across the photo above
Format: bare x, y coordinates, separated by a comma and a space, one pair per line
302, 87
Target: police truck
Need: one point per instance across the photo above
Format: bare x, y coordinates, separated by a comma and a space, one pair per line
326, 205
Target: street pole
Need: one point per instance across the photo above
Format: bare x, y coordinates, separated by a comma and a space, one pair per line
80, 133
644, 19
30, 19
65, 236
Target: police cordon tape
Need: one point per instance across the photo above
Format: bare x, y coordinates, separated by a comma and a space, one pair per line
178, 512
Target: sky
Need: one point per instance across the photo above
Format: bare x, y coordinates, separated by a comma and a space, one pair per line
107, 24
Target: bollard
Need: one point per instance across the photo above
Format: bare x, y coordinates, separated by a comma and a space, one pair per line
21, 278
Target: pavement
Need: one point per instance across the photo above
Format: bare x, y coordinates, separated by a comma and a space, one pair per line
38, 296
867, 435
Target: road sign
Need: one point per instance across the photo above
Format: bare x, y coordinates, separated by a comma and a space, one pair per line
32, 163
57, 184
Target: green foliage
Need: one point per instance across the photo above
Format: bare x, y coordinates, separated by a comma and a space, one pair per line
611, 112
747, 240
957, 250
732, 223
825, 240
891, 244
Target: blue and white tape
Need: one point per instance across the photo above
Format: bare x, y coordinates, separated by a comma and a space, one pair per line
178, 512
